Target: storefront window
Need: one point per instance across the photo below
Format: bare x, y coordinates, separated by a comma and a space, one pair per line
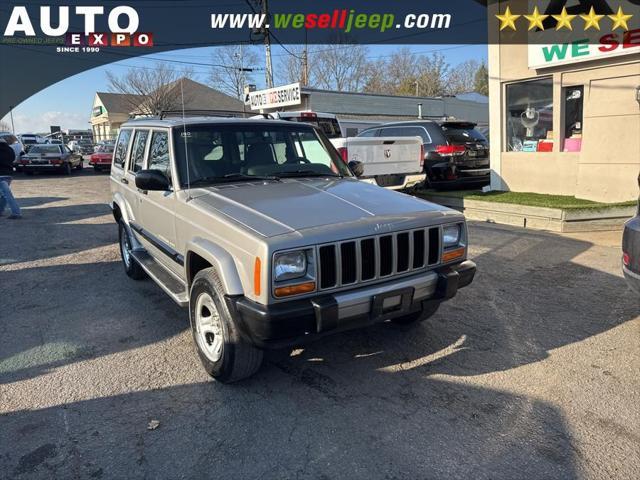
530, 116
573, 100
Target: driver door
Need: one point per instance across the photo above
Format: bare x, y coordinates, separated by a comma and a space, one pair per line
157, 209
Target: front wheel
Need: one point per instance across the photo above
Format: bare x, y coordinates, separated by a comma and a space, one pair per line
223, 353
131, 267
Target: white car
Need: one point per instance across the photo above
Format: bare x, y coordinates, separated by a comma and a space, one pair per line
14, 143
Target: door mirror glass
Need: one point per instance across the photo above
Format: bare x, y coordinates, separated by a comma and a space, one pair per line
152, 180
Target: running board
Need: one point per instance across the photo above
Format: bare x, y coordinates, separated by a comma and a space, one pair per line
165, 280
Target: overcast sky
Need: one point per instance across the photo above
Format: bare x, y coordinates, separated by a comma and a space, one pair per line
68, 102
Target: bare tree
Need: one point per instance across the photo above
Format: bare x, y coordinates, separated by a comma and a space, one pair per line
432, 76
232, 69
149, 90
461, 78
4, 126
340, 68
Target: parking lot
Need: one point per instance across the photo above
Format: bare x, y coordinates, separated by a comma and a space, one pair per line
531, 372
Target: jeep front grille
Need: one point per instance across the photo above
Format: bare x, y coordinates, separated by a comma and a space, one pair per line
371, 258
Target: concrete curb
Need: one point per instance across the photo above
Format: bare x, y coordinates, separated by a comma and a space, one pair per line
538, 218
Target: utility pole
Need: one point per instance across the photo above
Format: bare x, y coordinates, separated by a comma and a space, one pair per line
417, 91
13, 127
268, 74
305, 61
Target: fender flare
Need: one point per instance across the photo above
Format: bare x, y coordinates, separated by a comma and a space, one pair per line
220, 259
121, 203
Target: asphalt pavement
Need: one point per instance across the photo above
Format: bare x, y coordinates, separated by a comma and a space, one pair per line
529, 373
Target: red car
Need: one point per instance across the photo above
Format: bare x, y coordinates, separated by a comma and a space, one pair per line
102, 158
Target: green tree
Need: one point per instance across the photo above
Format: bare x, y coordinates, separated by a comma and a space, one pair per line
481, 80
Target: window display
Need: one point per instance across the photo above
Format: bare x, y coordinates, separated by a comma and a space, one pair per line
530, 116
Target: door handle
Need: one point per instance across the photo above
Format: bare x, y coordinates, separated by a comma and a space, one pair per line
124, 180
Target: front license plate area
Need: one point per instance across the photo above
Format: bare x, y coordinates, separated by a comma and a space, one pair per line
392, 302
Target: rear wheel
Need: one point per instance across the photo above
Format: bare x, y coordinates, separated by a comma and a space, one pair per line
223, 352
417, 317
131, 267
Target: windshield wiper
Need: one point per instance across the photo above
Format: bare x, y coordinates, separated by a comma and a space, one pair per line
231, 177
307, 173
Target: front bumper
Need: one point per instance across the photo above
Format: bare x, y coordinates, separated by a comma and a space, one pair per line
297, 322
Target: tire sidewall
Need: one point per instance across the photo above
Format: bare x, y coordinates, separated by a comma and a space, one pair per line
220, 369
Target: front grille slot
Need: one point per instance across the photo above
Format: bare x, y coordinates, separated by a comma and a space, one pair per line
362, 260
368, 259
328, 273
386, 255
348, 262
402, 247
434, 245
418, 249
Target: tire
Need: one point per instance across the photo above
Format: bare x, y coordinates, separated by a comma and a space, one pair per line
131, 267
97, 168
67, 169
417, 317
225, 356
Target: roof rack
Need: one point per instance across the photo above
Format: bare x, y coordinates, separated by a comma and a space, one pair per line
208, 113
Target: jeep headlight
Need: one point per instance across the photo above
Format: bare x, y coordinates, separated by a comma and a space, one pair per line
289, 265
451, 235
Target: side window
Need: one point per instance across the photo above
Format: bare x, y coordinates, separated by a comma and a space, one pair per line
120, 153
368, 133
137, 151
159, 153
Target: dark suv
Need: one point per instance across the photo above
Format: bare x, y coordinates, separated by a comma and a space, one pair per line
456, 153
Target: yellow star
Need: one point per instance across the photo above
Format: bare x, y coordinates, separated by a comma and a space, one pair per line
591, 20
535, 19
507, 20
620, 19
564, 19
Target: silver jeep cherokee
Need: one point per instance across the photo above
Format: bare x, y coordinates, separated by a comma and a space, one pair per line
265, 234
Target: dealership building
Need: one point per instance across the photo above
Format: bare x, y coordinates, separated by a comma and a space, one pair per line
567, 126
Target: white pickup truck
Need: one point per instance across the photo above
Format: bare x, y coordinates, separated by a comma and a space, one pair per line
396, 163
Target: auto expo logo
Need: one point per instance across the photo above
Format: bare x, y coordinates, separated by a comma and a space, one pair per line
123, 22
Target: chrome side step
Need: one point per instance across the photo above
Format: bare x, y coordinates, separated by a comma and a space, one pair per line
174, 287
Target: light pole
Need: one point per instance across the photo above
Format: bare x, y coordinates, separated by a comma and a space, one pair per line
13, 127
416, 84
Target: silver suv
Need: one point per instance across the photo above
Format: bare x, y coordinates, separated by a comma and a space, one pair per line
262, 231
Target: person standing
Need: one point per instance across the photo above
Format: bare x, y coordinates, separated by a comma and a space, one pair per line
7, 156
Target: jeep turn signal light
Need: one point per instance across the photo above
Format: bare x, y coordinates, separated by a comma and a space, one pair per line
451, 255
295, 289
256, 277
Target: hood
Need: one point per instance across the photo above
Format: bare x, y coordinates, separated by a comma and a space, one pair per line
277, 208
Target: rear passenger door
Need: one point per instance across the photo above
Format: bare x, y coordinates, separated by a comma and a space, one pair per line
157, 209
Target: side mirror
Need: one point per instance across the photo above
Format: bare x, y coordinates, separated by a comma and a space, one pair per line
152, 180
356, 167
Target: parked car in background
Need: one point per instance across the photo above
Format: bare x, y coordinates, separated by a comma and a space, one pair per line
456, 154
82, 146
50, 158
29, 139
102, 157
631, 250
103, 143
54, 141
16, 146
396, 163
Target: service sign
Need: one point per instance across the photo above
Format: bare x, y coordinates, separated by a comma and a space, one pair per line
283, 96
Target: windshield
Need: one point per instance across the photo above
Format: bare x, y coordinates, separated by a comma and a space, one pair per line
218, 153
105, 149
44, 149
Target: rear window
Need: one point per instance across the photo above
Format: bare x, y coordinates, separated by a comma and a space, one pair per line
329, 126
45, 149
461, 133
